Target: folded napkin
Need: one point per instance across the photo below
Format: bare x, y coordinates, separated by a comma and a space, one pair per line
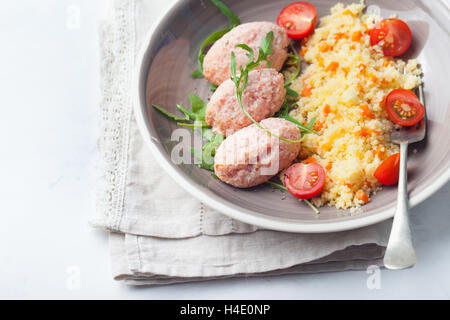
159, 233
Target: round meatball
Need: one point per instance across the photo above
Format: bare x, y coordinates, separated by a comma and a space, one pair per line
216, 65
262, 98
251, 156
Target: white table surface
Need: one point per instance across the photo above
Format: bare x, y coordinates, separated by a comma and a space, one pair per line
48, 128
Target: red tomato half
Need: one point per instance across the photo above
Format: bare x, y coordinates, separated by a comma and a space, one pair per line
299, 19
404, 108
305, 181
387, 173
396, 35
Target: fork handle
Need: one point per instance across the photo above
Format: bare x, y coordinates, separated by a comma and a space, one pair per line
400, 253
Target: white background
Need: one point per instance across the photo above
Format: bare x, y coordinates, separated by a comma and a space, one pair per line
50, 92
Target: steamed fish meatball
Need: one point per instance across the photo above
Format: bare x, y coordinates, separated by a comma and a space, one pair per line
262, 98
251, 156
216, 65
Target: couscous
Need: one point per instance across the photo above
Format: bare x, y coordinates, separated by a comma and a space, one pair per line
344, 87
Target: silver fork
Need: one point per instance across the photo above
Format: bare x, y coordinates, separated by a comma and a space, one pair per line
400, 253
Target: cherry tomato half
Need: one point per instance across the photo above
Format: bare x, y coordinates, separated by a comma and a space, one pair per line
396, 36
299, 19
305, 181
404, 108
387, 173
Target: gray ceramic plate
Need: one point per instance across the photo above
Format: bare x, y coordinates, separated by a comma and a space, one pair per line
163, 78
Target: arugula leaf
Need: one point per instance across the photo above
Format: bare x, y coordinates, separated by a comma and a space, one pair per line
197, 106
234, 22
208, 134
277, 186
197, 114
283, 188
197, 124
215, 176
195, 119
311, 123
295, 58
169, 115
213, 87
233, 66
209, 150
296, 122
206, 156
234, 19
198, 74
266, 48
190, 115
292, 93
284, 114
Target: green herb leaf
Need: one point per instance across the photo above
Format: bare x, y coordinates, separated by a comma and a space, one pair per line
233, 68
301, 126
266, 47
209, 150
197, 74
276, 186
283, 188
206, 157
213, 87
295, 59
190, 115
194, 125
311, 123
169, 115
215, 176
198, 106
250, 54
208, 134
234, 21
292, 93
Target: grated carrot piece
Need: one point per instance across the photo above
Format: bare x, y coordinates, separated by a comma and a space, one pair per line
356, 36
373, 77
307, 90
381, 152
333, 66
362, 196
311, 160
366, 111
361, 67
303, 51
326, 110
329, 166
324, 47
319, 126
340, 35
386, 63
364, 132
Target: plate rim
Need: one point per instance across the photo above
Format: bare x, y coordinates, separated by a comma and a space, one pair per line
241, 214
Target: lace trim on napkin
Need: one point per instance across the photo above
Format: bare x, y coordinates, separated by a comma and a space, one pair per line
117, 49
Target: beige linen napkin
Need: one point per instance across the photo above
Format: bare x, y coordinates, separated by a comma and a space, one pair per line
177, 238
